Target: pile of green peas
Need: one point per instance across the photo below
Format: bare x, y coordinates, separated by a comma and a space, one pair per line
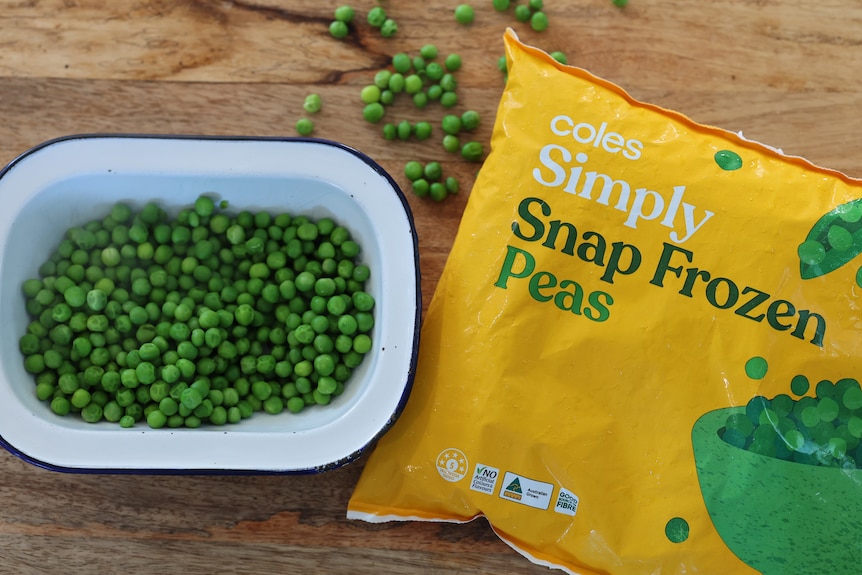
823, 429
202, 318
530, 11
421, 77
343, 17
428, 181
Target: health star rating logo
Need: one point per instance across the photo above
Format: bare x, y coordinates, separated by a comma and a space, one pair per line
452, 464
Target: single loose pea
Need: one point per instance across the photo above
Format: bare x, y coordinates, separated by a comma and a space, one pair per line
390, 132
523, 12
428, 51
448, 99
405, 130
412, 83
370, 94
464, 14
501, 5
388, 28
453, 62
452, 185
437, 191
373, 112
434, 92
304, 127
422, 130
451, 124
448, 82
620, 3
536, 4
539, 21
421, 187
420, 99
312, 103
377, 16
396, 83
433, 171
559, 57
344, 13
402, 63
413, 170
470, 120
472, 151
451, 143
381, 79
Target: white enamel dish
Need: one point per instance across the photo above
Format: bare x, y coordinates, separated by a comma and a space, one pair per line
75, 179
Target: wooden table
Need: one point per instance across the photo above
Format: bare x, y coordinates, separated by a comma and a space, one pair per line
788, 73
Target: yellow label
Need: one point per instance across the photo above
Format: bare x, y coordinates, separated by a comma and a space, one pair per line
641, 355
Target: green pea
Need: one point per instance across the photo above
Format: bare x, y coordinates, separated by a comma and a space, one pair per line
451, 124
433, 171
539, 21
338, 29
405, 130
421, 187
453, 62
377, 16
464, 14
304, 127
470, 120
451, 143
472, 151
388, 28
344, 14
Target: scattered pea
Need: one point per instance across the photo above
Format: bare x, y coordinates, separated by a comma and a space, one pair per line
539, 21
453, 62
472, 151
373, 112
470, 120
388, 28
413, 170
451, 143
428, 51
422, 130
370, 94
464, 14
338, 29
377, 16
304, 127
344, 14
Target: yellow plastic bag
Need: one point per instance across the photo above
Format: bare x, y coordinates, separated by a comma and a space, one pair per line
641, 355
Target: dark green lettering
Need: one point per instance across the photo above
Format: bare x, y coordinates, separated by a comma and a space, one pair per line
536, 223
773, 314
750, 305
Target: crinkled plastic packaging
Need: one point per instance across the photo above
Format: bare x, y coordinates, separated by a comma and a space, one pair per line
643, 355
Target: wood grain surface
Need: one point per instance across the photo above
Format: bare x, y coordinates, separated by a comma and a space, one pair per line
785, 72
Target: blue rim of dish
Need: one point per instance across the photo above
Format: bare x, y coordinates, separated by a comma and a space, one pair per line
414, 352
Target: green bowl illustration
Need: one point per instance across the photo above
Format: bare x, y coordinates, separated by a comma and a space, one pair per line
779, 517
